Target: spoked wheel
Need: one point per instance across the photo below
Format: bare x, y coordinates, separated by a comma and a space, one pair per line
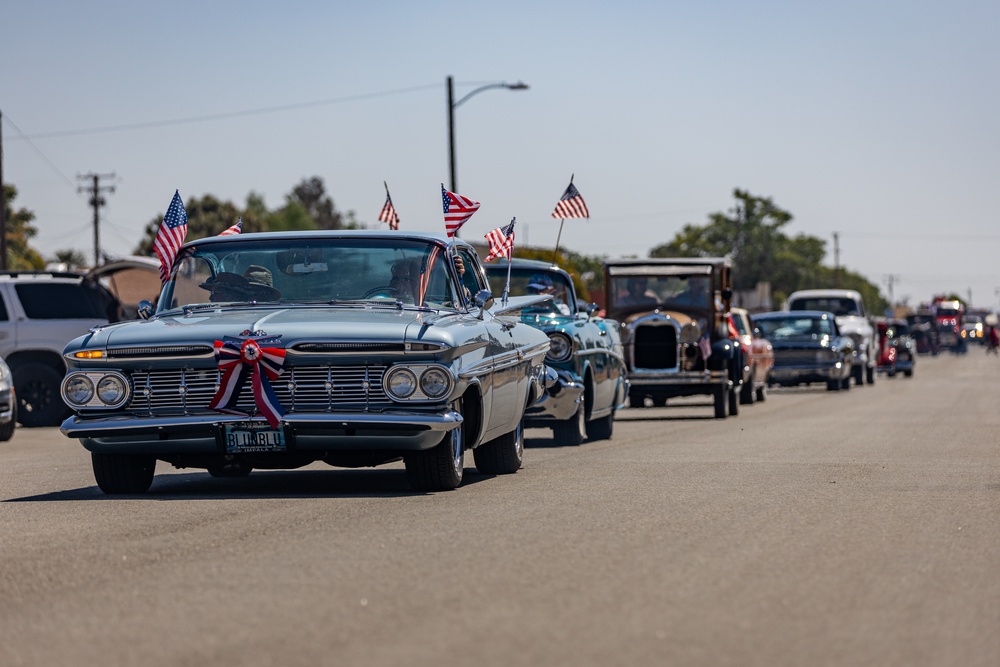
503, 455
573, 431
440, 468
123, 473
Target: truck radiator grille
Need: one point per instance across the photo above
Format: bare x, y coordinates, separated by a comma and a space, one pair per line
655, 347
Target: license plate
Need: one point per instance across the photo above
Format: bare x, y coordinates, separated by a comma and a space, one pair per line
246, 437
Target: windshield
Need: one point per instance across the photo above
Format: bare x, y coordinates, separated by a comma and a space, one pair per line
661, 291
526, 281
320, 270
835, 305
778, 328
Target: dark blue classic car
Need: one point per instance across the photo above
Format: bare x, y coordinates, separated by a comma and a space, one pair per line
808, 347
585, 351
282, 349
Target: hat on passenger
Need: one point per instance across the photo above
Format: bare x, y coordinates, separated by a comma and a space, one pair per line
540, 282
254, 285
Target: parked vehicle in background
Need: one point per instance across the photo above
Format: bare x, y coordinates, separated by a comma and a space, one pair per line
278, 350
808, 347
905, 346
759, 357
41, 311
675, 325
852, 320
8, 403
585, 351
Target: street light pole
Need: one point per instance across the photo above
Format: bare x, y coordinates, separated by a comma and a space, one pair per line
452, 105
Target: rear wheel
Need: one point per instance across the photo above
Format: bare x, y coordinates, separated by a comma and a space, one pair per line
870, 375
833, 385
659, 400
123, 473
858, 373
37, 389
636, 399
761, 393
235, 468
845, 384
7, 430
734, 401
503, 455
572, 431
440, 468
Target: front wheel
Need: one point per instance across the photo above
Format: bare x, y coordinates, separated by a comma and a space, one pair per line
747, 393
502, 455
721, 398
572, 431
734, 401
601, 429
440, 468
37, 388
870, 375
123, 473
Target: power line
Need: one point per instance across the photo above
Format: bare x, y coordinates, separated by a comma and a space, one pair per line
225, 115
38, 150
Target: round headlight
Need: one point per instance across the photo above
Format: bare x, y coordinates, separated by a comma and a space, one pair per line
401, 383
690, 333
434, 382
78, 389
560, 347
111, 390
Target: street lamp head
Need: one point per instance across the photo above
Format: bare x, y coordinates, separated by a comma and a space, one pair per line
520, 85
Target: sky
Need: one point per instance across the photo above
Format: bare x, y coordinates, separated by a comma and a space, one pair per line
874, 122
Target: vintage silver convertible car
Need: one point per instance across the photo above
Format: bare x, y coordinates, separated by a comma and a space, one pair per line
586, 353
281, 349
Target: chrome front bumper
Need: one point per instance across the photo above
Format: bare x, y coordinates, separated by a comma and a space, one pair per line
339, 431
559, 402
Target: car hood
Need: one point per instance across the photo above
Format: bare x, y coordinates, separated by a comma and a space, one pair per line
291, 324
849, 324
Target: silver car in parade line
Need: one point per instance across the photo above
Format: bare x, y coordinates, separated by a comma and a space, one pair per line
277, 350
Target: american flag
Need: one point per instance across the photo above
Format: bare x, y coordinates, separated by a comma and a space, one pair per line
501, 241
457, 210
170, 236
235, 229
388, 213
705, 345
571, 204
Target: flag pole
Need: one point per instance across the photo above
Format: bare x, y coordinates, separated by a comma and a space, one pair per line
555, 253
510, 258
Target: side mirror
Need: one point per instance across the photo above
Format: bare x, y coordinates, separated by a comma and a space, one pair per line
591, 309
483, 300
145, 309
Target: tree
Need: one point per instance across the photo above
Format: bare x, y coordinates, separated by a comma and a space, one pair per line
20, 255
752, 236
311, 195
73, 259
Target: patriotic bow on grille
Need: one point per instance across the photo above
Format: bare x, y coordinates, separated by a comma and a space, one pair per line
246, 355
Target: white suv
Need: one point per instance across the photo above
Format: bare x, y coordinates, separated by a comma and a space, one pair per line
852, 319
41, 311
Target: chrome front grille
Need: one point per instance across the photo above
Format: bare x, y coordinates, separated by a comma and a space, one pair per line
793, 357
305, 389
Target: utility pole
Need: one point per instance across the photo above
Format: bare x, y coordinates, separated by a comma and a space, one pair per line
97, 201
891, 281
836, 259
3, 207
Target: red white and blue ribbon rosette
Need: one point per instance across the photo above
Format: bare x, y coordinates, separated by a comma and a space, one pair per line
253, 355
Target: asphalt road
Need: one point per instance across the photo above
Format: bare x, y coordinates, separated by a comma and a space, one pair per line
850, 528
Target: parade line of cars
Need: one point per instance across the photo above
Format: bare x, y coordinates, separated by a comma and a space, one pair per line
360, 348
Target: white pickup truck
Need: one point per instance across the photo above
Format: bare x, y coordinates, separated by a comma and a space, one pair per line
849, 310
